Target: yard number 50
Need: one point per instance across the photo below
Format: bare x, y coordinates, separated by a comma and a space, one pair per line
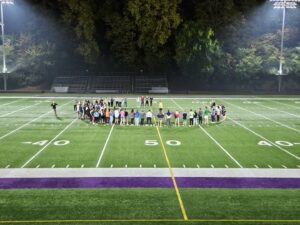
169, 142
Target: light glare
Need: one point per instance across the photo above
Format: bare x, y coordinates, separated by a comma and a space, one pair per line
288, 4
7, 2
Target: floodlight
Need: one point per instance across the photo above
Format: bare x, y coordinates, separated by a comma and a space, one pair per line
8, 2
283, 4
4, 69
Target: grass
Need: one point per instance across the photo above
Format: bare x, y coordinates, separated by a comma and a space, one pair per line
250, 121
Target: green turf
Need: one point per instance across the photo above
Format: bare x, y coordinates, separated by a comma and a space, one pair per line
275, 118
126, 146
99, 204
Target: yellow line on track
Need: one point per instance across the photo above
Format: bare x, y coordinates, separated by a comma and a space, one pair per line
151, 220
183, 211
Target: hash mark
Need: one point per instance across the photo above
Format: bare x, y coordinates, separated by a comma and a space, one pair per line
7, 166
38, 166
126, 166
226, 166
140, 165
68, 166
198, 166
212, 166
270, 166
284, 166
53, 166
82, 165
183, 166
154, 165
111, 166
298, 166
256, 166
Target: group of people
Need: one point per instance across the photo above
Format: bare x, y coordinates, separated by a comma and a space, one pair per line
114, 111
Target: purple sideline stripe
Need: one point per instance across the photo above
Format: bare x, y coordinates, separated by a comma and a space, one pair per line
148, 182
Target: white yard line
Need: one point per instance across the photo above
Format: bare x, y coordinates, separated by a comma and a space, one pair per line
27, 107
215, 141
149, 172
104, 147
267, 118
284, 112
9, 103
221, 147
24, 125
177, 104
262, 137
285, 104
49, 143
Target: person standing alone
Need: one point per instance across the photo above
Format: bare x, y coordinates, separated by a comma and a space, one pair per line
53, 105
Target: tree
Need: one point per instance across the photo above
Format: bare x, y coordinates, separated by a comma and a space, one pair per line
29, 57
155, 21
80, 16
121, 35
195, 49
292, 62
248, 63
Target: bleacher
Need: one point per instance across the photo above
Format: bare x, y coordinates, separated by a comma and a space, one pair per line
149, 84
110, 84
70, 84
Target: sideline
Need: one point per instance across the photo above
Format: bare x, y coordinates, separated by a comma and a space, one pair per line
151, 220
148, 172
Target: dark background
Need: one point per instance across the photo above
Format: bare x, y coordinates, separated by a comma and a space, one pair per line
209, 45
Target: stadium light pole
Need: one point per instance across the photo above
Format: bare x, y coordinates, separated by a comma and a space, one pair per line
4, 68
283, 4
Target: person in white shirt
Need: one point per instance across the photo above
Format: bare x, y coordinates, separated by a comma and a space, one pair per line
117, 114
149, 116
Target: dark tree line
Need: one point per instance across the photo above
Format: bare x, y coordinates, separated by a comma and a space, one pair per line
209, 40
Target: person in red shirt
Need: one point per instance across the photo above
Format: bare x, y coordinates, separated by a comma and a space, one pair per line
177, 118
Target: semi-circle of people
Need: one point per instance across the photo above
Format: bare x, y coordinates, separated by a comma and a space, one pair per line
115, 111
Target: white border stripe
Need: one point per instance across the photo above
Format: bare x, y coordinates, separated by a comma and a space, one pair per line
104, 147
148, 172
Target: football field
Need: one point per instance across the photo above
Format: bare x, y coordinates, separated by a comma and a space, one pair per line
243, 170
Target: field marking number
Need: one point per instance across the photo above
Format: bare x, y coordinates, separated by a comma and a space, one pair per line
250, 102
281, 143
169, 142
44, 142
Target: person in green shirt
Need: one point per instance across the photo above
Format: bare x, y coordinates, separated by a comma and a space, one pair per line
206, 114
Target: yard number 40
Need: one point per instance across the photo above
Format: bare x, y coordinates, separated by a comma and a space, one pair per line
281, 143
44, 142
169, 142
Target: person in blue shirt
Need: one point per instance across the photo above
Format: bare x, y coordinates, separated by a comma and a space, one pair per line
137, 116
